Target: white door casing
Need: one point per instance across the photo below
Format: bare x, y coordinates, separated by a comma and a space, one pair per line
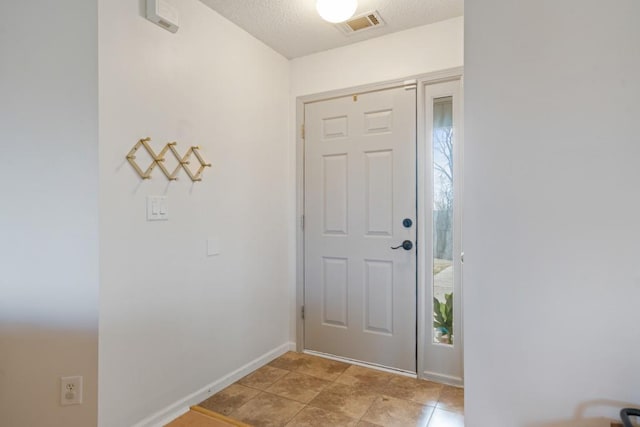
359, 186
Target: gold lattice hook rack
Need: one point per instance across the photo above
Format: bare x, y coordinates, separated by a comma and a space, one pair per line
159, 160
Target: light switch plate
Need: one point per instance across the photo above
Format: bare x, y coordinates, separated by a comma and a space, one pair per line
213, 247
157, 208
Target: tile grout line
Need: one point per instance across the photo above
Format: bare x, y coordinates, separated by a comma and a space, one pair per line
254, 388
295, 415
335, 381
308, 404
305, 405
378, 395
433, 411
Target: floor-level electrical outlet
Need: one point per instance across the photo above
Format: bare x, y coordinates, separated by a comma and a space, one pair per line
71, 390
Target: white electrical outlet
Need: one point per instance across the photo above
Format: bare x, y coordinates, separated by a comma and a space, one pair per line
71, 390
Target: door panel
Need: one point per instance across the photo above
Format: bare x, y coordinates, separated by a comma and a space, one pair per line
379, 188
378, 303
360, 183
334, 291
335, 193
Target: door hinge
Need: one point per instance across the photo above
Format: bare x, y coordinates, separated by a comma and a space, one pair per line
302, 134
302, 312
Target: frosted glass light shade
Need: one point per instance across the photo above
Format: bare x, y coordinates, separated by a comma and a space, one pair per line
336, 10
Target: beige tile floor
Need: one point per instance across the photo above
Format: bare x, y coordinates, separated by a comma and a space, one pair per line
299, 390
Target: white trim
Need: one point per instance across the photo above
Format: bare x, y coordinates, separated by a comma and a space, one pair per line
180, 407
360, 363
443, 379
423, 79
422, 225
426, 347
299, 225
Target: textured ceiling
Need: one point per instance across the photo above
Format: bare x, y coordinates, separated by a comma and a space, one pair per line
293, 27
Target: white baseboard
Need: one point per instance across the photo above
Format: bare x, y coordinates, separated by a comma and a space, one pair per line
443, 379
180, 407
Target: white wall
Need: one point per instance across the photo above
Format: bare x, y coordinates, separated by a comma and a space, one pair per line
418, 50
403, 54
552, 236
49, 210
173, 320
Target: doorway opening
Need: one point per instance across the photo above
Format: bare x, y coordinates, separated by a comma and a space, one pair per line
379, 242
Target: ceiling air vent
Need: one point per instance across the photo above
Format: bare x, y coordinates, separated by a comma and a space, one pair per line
359, 23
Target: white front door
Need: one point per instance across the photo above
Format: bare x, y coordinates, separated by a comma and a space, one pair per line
360, 201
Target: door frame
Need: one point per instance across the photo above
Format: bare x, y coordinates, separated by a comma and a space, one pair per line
425, 233
421, 81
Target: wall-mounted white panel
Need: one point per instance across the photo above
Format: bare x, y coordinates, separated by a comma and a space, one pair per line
379, 197
335, 127
334, 291
378, 304
378, 121
334, 169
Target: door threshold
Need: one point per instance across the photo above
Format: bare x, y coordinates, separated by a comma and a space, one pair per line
361, 363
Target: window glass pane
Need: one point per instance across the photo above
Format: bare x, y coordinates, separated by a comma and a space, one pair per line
443, 220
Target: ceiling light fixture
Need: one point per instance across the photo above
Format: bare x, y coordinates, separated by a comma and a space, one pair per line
336, 10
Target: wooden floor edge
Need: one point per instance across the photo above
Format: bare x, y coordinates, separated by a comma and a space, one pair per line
221, 417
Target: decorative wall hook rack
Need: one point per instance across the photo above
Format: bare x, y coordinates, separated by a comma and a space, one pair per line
159, 160
131, 158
